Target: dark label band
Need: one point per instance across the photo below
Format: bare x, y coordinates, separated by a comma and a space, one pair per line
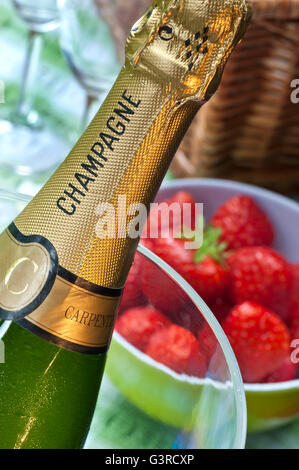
90, 286
62, 343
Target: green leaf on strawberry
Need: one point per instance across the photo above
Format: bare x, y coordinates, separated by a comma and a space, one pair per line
211, 246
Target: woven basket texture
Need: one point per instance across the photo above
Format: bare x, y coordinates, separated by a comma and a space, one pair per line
249, 130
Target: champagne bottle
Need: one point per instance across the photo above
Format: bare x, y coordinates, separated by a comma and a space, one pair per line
61, 279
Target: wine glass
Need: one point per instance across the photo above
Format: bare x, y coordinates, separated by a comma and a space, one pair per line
40, 17
145, 404
26, 145
89, 50
157, 404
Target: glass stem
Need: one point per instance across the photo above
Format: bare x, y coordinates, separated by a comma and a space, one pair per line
87, 111
26, 95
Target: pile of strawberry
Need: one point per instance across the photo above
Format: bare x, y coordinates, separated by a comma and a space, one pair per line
252, 290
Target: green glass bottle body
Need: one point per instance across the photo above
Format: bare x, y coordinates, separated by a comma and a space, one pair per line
47, 393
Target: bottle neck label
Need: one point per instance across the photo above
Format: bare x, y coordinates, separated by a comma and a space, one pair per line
48, 300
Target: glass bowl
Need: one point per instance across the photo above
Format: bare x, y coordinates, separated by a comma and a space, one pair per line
202, 406
269, 405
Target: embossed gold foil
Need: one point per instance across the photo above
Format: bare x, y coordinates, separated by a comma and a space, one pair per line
175, 56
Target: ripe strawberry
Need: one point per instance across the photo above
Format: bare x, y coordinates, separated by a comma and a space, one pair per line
209, 278
138, 324
178, 349
160, 225
206, 338
261, 275
294, 301
207, 274
295, 344
160, 291
294, 323
181, 198
220, 307
202, 268
133, 295
259, 338
156, 284
174, 253
287, 371
243, 223
295, 271
207, 341
294, 330
167, 297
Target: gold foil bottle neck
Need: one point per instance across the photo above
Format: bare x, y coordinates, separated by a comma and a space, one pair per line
186, 43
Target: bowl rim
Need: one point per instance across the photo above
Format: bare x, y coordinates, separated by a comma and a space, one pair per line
230, 184
6, 194
252, 190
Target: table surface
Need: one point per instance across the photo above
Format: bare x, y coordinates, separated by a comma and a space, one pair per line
116, 423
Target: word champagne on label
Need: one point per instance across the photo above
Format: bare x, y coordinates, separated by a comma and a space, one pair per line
60, 281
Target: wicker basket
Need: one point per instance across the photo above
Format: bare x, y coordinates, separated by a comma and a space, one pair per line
249, 130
